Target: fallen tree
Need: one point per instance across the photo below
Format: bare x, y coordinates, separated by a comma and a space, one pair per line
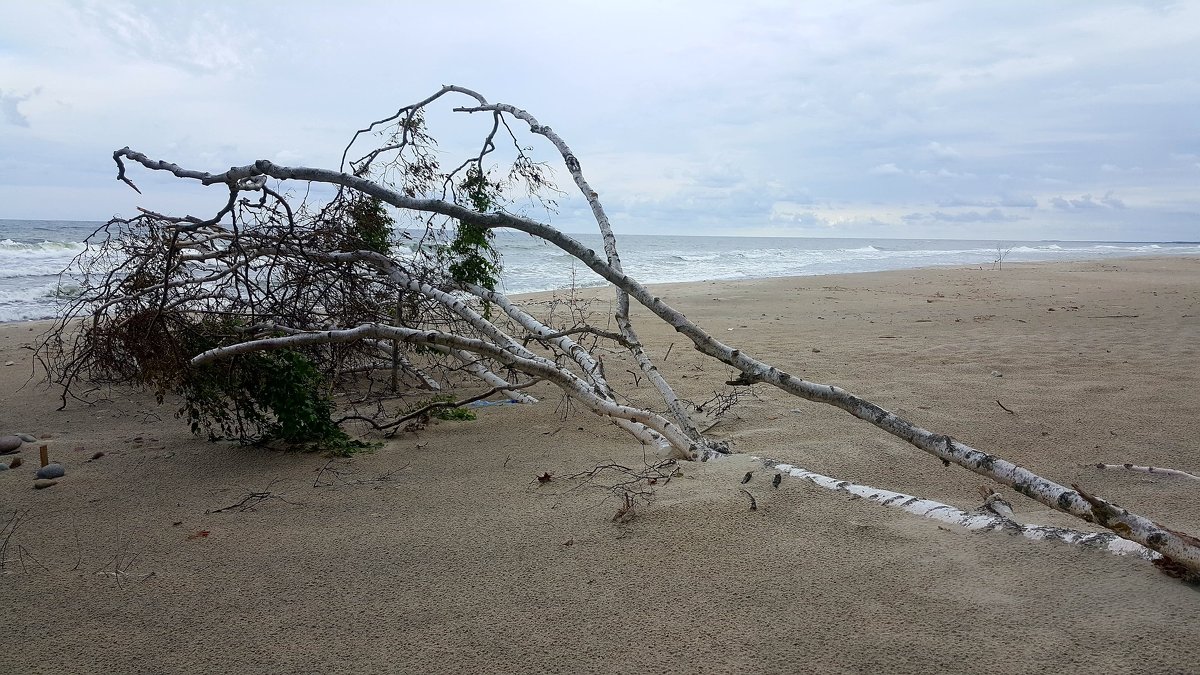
204, 307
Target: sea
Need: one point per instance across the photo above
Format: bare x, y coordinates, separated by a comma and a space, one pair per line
35, 253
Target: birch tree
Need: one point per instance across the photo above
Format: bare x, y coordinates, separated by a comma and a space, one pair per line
271, 282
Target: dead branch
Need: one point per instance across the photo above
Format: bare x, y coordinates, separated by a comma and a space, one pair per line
998, 516
753, 501
254, 499
425, 411
1155, 470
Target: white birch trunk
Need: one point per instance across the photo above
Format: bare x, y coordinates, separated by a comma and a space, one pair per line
1000, 517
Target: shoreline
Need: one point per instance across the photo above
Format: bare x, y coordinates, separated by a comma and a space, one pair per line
441, 552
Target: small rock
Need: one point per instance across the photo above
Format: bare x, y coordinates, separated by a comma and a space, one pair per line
28, 438
10, 363
43, 483
816, 351
54, 470
14, 463
96, 455
9, 444
3, 467
996, 373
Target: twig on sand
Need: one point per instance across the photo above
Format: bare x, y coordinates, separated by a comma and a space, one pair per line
8, 530
753, 501
1010, 412
341, 476
253, 499
1156, 470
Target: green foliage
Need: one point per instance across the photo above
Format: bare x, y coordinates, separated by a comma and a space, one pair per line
264, 397
448, 413
475, 260
277, 397
370, 225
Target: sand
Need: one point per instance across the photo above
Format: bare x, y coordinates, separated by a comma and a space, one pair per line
440, 552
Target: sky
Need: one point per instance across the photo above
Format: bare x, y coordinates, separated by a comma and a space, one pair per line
1002, 120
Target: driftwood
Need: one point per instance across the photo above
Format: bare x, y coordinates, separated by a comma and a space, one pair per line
211, 266
996, 514
1156, 470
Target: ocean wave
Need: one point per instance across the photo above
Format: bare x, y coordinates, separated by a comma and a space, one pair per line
8, 246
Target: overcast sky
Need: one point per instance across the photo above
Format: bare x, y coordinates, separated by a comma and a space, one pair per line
1000, 120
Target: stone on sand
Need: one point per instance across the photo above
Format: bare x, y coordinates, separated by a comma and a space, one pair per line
9, 444
54, 470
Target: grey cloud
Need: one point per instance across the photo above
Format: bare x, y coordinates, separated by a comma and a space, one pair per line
9, 103
807, 218
1112, 202
1018, 201
992, 216
1087, 201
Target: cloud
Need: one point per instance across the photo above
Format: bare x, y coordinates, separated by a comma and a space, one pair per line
198, 41
1014, 201
9, 103
1112, 202
992, 216
939, 151
1018, 201
680, 112
1087, 201
890, 169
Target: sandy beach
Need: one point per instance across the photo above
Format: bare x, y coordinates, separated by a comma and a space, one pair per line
441, 552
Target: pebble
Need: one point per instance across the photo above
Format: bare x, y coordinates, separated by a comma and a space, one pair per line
3, 466
28, 438
9, 444
996, 373
52, 471
10, 363
43, 483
